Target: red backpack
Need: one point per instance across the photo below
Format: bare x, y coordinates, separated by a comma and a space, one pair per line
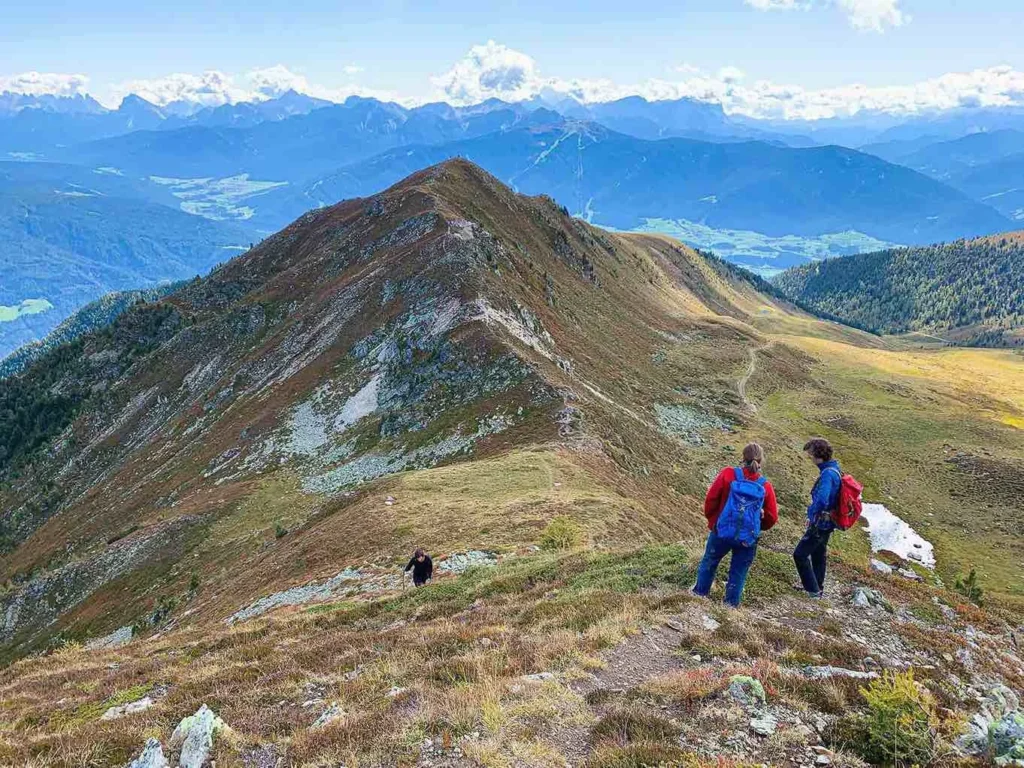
847, 511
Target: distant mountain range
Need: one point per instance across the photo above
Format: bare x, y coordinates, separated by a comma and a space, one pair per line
966, 292
618, 180
130, 197
69, 235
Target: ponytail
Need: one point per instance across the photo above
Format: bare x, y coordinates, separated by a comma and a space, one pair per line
753, 457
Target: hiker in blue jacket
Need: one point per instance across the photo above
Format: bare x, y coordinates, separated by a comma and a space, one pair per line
811, 554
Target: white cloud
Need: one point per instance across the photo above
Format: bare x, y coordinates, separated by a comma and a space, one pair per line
44, 83
210, 89
352, 69
213, 88
271, 82
489, 71
494, 70
874, 15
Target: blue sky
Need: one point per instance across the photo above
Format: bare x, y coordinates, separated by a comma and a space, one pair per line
399, 49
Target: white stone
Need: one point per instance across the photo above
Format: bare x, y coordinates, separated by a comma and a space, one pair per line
152, 756
128, 709
709, 624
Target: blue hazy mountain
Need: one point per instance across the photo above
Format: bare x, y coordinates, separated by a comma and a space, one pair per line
297, 148
987, 165
71, 235
621, 181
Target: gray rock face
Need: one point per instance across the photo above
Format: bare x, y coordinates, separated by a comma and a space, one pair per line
307, 593
116, 639
152, 756
460, 562
880, 567
30, 609
194, 735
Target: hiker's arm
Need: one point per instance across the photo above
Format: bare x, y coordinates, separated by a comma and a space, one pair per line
713, 501
770, 512
430, 568
820, 496
409, 567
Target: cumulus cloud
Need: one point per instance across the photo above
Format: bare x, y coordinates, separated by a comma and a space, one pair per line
44, 84
489, 71
494, 70
213, 88
209, 89
874, 15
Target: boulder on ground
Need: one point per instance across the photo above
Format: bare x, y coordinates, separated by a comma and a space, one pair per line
128, 709
764, 724
194, 735
152, 756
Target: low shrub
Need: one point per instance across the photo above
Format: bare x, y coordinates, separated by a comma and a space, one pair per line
562, 533
901, 726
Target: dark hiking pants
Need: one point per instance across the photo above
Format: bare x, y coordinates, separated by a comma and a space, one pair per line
811, 557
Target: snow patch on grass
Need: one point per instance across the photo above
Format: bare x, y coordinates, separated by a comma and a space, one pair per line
893, 534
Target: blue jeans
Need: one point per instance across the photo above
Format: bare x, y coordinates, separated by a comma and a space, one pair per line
714, 551
811, 558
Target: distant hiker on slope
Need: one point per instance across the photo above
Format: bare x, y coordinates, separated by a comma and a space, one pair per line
740, 505
422, 568
835, 503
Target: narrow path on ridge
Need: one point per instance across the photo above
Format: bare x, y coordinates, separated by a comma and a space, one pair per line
741, 384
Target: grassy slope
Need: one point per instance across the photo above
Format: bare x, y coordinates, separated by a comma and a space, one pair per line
660, 325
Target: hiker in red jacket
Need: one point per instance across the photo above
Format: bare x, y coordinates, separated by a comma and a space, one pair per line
739, 506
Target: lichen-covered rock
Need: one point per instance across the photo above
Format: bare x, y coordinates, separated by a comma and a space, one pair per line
1007, 739
997, 728
863, 597
824, 673
152, 756
329, 715
747, 690
194, 735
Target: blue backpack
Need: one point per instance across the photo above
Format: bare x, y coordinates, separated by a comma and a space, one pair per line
741, 518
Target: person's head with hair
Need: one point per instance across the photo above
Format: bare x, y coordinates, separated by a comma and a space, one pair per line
753, 457
419, 554
819, 449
